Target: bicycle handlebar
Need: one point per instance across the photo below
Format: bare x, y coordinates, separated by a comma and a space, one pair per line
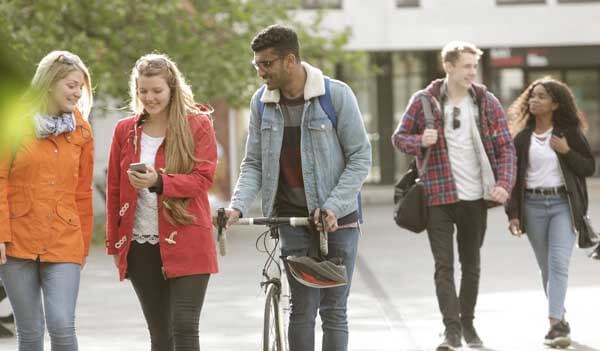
221, 222
293, 221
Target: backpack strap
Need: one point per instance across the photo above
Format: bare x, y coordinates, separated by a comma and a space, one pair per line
261, 105
327, 104
428, 124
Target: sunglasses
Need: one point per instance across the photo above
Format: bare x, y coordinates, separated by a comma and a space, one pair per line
265, 64
64, 59
455, 120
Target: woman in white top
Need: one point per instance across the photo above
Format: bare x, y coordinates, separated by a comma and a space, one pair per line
549, 201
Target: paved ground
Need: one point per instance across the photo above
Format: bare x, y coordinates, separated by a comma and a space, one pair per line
392, 305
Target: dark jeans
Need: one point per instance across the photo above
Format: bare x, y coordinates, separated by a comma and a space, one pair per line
470, 218
171, 306
330, 303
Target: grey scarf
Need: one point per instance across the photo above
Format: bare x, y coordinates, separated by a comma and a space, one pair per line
46, 126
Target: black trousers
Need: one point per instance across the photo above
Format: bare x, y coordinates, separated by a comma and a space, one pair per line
470, 218
171, 306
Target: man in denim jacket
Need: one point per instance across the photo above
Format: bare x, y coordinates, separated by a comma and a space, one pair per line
302, 162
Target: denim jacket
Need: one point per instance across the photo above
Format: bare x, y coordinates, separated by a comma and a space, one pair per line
335, 161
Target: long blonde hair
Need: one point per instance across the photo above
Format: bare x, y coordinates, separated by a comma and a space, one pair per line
53, 67
179, 148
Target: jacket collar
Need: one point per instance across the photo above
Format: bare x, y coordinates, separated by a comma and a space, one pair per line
439, 89
314, 86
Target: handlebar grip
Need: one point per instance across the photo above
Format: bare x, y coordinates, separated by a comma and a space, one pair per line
223, 244
323, 237
323, 243
221, 233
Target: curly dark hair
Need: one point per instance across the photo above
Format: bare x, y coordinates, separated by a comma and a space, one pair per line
566, 115
282, 39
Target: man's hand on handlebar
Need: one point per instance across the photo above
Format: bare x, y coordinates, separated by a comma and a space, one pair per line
232, 215
330, 220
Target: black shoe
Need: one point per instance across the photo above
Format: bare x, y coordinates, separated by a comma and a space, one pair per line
559, 335
451, 341
10, 319
471, 338
5, 332
596, 253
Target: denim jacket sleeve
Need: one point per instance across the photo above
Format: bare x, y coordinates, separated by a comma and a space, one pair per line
356, 147
249, 181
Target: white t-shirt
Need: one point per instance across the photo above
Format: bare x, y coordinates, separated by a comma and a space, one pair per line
543, 170
145, 223
464, 160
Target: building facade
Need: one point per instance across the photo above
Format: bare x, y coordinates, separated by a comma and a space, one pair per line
522, 41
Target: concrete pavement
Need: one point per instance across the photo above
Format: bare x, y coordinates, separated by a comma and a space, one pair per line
392, 304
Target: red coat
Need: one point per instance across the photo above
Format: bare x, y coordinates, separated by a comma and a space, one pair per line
192, 250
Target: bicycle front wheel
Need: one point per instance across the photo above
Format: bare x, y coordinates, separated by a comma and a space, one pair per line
273, 330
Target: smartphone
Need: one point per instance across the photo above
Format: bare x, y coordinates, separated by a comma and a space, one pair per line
138, 167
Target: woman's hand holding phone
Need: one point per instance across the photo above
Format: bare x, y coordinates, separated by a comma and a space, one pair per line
140, 179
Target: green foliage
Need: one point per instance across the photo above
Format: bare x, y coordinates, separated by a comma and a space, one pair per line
209, 39
12, 86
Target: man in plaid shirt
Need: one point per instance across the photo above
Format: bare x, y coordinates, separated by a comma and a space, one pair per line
472, 164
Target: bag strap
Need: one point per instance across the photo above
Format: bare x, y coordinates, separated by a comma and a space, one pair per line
428, 124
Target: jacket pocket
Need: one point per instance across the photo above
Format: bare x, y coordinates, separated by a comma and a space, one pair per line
19, 207
321, 131
267, 132
67, 215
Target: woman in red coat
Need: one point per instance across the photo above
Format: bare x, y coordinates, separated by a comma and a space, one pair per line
158, 219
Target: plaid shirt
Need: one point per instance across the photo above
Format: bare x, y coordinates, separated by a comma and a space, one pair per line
493, 129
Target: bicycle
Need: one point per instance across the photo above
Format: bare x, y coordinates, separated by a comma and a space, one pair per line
275, 284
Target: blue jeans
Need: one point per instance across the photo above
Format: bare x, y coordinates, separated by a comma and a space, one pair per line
27, 282
550, 232
331, 303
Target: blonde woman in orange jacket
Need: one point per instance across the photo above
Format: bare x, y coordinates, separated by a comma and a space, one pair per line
46, 204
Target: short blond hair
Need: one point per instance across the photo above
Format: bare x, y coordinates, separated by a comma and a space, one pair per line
452, 50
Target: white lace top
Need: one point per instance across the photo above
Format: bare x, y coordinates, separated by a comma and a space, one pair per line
145, 224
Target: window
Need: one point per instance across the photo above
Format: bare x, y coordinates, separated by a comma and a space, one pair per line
322, 4
407, 3
575, 1
519, 2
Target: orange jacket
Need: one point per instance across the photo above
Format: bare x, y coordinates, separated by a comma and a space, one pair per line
46, 196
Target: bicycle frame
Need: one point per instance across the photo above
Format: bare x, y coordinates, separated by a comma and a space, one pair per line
275, 284
277, 292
